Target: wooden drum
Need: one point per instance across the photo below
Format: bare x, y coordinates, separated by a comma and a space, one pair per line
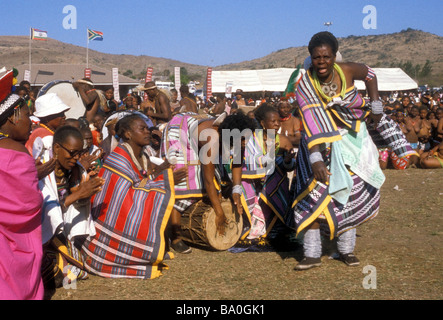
198, 225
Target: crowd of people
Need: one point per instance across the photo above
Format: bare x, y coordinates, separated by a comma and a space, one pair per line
106, 193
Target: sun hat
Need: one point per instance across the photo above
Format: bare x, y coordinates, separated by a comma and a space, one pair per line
49, 104
148, 86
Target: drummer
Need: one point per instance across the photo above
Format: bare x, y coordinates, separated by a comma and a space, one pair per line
180, 147
94, 100
157, 105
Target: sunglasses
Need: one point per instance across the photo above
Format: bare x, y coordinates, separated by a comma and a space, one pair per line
73, 153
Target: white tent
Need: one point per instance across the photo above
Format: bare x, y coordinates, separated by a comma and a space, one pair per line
389, 79
252, 80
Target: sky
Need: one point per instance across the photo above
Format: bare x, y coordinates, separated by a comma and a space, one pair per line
214, 32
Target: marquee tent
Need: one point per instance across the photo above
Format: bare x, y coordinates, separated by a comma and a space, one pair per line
389, 79
252, 80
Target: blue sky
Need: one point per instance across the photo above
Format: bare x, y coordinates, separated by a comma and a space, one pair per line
214, 32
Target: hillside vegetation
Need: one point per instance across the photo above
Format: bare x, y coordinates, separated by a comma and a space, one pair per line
418, 53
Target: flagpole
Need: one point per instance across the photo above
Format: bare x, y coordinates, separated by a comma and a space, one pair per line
30, 41
87, 49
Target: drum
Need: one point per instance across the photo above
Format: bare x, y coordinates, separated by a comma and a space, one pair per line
66, 92
198, 225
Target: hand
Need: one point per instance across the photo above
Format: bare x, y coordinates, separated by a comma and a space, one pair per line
376, 118
321, 173
220, 223
157, 133
289, 156
158, 169
89, 186
43, 169
180, 175
88, 160
237, 202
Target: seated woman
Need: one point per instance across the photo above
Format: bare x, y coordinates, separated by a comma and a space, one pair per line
266, 190
20, 202
433, 159
424, 135
132, 211
69, 204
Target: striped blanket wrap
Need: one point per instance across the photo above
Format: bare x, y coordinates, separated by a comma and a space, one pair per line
265, 196
322, 127
388, 134
130, 215
180, 140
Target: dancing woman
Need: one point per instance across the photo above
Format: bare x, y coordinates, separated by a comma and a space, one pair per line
338, 174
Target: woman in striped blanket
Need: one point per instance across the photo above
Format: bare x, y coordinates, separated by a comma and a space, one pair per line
265, 184
338, 174
132, 210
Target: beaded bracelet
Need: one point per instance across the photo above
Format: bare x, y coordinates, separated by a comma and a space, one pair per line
237, 189
377, 107
315, 157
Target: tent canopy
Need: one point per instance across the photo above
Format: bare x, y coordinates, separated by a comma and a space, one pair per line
252, 80
389, 79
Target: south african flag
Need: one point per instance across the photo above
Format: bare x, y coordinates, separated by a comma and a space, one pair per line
95, 35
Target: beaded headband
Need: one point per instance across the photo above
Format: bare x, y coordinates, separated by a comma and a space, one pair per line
9, 102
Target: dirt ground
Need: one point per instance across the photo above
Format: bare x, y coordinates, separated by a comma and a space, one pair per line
400, 253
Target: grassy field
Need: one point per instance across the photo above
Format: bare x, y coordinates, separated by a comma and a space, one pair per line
400, 252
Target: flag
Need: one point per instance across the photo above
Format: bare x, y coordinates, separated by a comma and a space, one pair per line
37, 34
95, 35
291, 87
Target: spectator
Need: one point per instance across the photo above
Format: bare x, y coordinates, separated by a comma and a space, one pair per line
70, 209
20, 204
433, 159
424, 135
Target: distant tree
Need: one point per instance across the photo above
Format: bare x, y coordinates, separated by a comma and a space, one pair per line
426, 70
184, 77
127, 73
166, 72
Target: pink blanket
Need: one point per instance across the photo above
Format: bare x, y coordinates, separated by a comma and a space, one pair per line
20, 228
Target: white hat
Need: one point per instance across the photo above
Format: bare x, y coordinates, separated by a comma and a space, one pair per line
49, 104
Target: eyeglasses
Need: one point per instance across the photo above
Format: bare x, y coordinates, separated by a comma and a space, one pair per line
73, 153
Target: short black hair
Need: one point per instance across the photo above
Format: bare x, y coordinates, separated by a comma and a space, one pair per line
62, 134
261, 112
124, 125
323, 38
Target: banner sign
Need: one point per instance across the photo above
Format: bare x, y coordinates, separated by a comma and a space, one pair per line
115, 83
147, 79
27, 76
228, 91
88, 73
177, 81
209, 83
